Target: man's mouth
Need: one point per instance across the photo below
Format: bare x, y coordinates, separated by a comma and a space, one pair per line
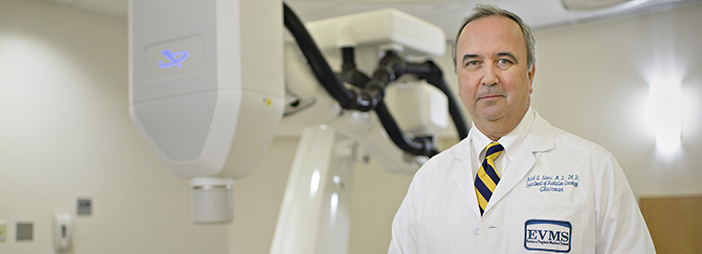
490, 96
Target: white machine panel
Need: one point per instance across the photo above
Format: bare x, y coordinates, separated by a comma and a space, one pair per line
162, 89
425, 114
390, 26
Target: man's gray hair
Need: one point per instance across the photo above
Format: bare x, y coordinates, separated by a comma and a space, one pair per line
485, 10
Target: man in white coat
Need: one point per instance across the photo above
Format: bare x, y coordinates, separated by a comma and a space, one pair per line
537, 189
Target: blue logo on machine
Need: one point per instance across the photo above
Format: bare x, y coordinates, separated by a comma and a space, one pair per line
547, 235
176, 58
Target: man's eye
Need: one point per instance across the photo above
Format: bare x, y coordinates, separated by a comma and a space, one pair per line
504, 64
472, 64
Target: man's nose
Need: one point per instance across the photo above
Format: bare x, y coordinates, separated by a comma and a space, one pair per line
489, 76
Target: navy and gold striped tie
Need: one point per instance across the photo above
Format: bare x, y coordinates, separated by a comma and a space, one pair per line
487, 178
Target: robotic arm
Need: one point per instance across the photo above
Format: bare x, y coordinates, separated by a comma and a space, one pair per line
367, 92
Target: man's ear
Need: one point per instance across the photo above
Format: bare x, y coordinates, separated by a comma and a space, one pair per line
530, 75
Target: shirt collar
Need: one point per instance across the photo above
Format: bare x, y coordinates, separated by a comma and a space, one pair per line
511, 142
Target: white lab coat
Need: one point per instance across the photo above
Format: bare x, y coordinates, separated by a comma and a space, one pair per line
560, 194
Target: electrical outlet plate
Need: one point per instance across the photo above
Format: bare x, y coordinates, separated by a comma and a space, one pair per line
85, 206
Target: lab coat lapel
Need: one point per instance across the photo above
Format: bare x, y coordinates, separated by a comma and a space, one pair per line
540, 138
462, 175
518, 168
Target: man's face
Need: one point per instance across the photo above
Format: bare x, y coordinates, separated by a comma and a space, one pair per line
494, 80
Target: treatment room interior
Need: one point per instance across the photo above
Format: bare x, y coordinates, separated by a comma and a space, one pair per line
66, 132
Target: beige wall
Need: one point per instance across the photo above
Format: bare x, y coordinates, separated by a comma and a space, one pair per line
593, 80
65, 132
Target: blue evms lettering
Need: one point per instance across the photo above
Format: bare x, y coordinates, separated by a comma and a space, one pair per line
547, 235
176, 58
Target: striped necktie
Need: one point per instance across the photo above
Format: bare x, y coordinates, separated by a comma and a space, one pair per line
487, 178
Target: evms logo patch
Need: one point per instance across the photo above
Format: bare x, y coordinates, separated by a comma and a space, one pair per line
547, 235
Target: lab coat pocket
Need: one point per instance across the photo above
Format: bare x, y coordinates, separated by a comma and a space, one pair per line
546, 227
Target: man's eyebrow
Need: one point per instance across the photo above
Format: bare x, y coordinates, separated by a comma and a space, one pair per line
508, 54
468, 56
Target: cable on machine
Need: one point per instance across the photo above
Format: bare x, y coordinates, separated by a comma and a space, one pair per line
372, 89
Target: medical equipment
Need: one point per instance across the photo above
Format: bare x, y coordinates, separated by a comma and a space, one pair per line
207, 90
314, 215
